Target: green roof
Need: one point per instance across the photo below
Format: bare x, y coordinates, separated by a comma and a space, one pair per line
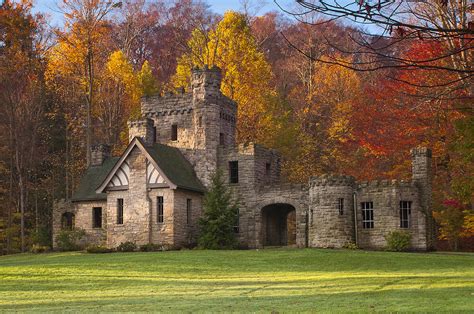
92, 179
175, 166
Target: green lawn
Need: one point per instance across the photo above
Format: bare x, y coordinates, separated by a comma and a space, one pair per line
283, 280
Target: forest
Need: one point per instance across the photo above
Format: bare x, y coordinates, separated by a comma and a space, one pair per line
329, 95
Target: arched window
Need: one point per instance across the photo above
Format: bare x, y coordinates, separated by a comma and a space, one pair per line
67, 221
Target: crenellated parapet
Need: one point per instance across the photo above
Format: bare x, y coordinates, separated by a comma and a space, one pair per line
332, 180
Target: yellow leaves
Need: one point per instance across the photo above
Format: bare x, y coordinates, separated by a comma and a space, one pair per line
246, 73
120, 71
146, 80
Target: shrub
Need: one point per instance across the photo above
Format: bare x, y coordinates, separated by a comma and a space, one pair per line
398, 241
98, 249
350, 246
220, 215
127, 247
68, 240
151, 247
36, 248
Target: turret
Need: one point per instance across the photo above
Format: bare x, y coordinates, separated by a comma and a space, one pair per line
143, 129
206, 83
331, 211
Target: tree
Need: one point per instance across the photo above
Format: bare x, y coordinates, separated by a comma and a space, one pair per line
220, 216
246, 73
22, 103
455, 222
86, 22
399, 24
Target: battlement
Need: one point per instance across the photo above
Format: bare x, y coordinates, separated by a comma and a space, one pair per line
332, 180
384, 183
421, 151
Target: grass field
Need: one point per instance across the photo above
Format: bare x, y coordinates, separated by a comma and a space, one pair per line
283, 280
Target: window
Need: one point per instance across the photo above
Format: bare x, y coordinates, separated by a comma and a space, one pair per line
67, 221
340, 206
268, 168
221, 139
154, 134
367, 215
233, 171
188, 211
405, 213
120, 211
174, 132
159, 209
97, 217
200, 121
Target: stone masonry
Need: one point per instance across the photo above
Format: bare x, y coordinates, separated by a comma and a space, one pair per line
198, 130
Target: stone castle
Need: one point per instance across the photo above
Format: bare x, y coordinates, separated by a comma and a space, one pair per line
153, 192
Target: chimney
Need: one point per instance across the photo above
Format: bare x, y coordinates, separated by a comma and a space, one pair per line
99, 153
143, 129
421, 174
421, 164
206, 82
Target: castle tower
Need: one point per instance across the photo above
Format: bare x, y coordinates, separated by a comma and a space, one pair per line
422, 177
331, 211
214, 117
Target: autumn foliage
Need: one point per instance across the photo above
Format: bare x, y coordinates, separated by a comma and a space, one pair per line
66, 88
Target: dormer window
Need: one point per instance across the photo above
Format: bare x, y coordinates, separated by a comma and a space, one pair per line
174, 132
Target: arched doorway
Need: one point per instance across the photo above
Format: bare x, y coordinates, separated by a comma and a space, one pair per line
279, 225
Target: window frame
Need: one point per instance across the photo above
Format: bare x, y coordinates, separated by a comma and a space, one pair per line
268, 169
120, 208
96, 225
160, 206
405, 214
368, 221
234, 171
174, 132
340, 206
189, 205
221, 139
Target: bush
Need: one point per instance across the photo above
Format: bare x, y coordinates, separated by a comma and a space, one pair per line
42, 237
220, 215
151, 247
350, 246
98, 249
68, 240
36, 248
127, 247
398, 241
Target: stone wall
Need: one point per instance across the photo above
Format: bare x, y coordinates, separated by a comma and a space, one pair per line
136, 213
386, 196
163, 233
184, 233
82, 220
327, 226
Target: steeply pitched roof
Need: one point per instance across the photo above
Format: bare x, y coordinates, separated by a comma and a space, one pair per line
92, 179
176, 169
175, 166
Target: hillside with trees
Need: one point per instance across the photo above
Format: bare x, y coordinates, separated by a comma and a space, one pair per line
331, 97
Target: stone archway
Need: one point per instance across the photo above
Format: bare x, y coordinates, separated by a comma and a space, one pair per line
279, 224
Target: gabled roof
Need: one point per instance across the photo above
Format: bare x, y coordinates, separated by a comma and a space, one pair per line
176, 167
92, 179
169, 161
